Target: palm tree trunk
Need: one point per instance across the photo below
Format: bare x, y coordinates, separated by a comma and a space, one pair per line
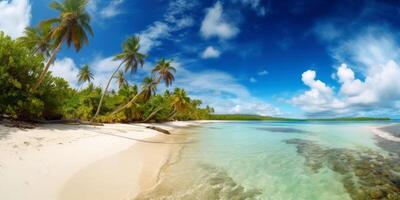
130, 102
153, 113
172, 114
105, 92
51, 60
126, 105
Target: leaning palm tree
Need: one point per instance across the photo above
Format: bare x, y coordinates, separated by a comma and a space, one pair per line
179, 101
85, 75
121, 79
71, 26
130, 58
165, 72
37, 39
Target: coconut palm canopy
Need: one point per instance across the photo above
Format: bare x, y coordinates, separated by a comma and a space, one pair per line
85, 75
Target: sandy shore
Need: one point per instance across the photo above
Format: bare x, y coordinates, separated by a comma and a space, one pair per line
383, 134
114, 161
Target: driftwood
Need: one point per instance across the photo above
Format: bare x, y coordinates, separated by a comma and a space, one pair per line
16, 124
159, 129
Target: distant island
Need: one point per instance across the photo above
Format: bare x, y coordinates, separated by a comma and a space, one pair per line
246, 117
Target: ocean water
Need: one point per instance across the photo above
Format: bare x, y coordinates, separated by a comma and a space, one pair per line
280, 160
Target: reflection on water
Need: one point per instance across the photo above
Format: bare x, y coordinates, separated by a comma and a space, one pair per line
247, 160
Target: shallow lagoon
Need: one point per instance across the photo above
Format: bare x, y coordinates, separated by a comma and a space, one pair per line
281, 160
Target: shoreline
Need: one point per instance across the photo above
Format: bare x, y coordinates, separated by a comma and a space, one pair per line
64, 161
377, 130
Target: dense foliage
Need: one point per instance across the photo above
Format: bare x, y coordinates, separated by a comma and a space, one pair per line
30, 92
19, 69
55, 99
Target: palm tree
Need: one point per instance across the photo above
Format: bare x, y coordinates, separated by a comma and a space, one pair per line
121, 79
85, 75
179, 101
149, 87
130, 58
71, 26
165, 72
37, 39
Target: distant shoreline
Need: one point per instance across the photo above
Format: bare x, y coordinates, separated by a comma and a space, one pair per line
269, 118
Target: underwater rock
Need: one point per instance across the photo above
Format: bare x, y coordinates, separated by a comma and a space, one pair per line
282, 130
375, 193
366, 173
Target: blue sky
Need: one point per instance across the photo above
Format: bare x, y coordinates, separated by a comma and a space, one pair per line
282, 58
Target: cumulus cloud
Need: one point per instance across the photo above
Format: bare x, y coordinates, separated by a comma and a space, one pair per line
216, 24
175, 19
15, 15
67, 69
210, 52
379, 90
369, 87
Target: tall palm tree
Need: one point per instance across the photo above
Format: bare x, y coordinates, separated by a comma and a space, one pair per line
164, 71
37, 39
71, 26
130, 58
85, 75
121, 79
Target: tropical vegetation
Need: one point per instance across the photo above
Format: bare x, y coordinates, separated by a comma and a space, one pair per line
30, 92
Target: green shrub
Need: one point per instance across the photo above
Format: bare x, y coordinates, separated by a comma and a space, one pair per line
19, 70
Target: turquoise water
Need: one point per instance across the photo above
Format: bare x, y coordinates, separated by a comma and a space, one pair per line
268, 160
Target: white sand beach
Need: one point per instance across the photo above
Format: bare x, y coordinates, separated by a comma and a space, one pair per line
114, 161
380, 133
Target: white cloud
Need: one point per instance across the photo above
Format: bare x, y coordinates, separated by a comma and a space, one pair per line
210, 52
102, 68
262, 73
15, 15
253, 80
375, 47
319, 98
150, 37
111, 10
374, 55
379, 90
176, 19
215, 24
67, 69
221, 91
